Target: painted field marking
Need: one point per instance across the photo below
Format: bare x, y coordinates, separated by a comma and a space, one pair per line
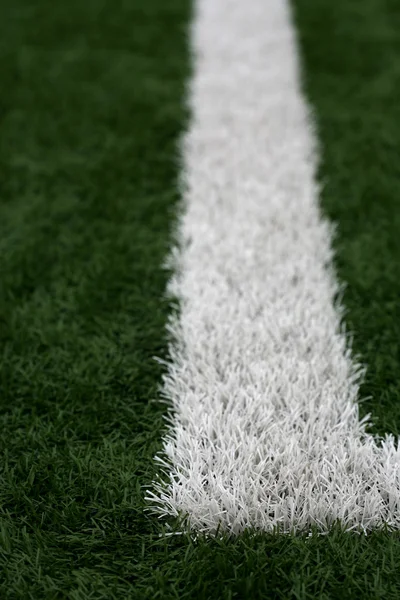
265, 429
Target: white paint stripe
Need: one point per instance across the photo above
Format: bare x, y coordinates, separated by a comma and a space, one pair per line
265, 430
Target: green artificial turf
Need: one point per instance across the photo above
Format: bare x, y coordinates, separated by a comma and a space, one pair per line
351, 53
90, 114
91, 109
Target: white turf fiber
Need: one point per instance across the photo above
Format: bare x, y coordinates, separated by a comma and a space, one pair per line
264, 428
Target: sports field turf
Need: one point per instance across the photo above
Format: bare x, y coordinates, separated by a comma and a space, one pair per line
352, 74
92, 105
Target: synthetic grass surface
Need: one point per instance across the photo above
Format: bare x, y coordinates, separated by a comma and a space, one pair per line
91, 109
351, 52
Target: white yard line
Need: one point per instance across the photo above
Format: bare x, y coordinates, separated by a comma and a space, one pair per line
265, 429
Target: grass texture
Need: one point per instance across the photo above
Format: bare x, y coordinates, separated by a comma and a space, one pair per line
266, 430
90, 112
352, 77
